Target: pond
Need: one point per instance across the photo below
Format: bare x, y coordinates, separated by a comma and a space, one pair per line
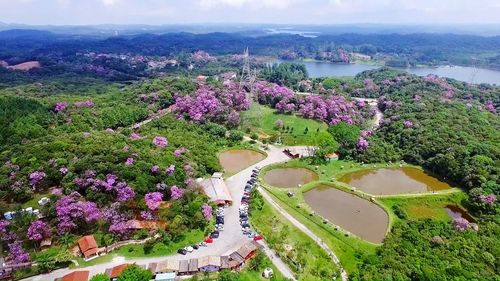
455, 212
354, 214
462, 73
289, 177
235, 160
393, 181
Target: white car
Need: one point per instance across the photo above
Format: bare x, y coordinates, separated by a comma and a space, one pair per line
189, 249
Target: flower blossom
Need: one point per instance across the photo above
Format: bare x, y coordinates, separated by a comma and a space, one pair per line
160, 141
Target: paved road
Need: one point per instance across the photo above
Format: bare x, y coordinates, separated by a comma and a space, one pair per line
229, 240
306, 230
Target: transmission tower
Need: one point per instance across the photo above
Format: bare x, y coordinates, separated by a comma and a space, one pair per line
475, 70
247, 81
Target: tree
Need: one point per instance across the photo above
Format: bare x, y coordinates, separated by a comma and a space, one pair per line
100, 277
135, 273
326, 144
346, 136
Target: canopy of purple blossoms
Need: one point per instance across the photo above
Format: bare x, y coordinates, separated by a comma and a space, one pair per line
170, 170
408, 124
160, 141
176, 193
206, 210
38, 230
17, 254
179, 151
60, 106
488, 199
362, 144
213, 104
153, 200
122, 190
461, 224
36, 178
70, 211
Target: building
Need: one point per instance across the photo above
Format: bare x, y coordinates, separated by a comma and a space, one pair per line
209, 264
169, 276
167, 266
114, 272
331, 157
184, 267
235, 261
76, 276
88, 247
216, 189
193, 266
248, 250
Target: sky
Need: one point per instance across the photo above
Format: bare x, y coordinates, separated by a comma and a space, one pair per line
157, 12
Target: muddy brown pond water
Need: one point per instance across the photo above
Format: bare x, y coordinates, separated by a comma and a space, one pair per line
354, 214
289, 177
394, 181
455, 212
235, 160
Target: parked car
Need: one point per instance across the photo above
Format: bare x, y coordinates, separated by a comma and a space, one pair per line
257, 238
209, 240
182, 251
189, 249
214, 234
196, 246
204, 244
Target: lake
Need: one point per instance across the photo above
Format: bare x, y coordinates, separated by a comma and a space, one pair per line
289, 177
353, 213
235, 160
321, 69
393, 181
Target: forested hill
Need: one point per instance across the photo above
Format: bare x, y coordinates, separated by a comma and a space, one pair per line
414, 48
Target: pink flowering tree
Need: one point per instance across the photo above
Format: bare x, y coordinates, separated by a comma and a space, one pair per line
159, 141
176, 193
37, 231
180, 151
87, 103
461, 224
60, 106
71, 213
17, 254
170, 170
36, 178
206, 211
153, 200
362, 144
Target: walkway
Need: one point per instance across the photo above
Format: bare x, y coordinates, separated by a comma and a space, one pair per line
306, 230
378, 114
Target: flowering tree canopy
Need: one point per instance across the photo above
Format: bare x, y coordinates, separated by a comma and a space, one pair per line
60, 106
160, 141
153, 200
176, 193
17, 254
206, 210
38, 230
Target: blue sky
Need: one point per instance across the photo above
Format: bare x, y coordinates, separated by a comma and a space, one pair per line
77, 12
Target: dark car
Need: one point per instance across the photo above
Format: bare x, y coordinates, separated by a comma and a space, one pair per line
182, 251
195, 246
214, 234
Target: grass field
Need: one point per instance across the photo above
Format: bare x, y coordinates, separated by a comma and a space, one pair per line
261, 120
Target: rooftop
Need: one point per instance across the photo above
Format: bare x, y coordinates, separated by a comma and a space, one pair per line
215, 188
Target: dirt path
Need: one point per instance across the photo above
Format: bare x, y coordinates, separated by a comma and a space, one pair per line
378, 114
306, 230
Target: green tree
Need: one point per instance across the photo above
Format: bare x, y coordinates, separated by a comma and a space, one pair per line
100, 277
326, 144
135, 273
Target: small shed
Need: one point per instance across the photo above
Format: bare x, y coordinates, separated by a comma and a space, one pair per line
88, 246
209, 264
268, 273
76, 276
332, 157
169, 276
183, 267
193, 266
248, 250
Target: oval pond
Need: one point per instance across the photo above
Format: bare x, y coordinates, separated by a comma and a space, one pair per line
393, 181
235, 160
289, 177
353, 213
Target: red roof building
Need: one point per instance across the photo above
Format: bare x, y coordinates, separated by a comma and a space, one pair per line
76, 276
88, 246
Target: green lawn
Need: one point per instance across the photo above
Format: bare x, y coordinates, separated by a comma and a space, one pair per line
299, 251
261, 120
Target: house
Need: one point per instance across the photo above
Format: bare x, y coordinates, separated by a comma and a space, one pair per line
169, 276
76, 276
209, 264
167, 266
331, 157
88, 246
184, 267
114, 272
193, 266
248, 250
216, 189
224, 262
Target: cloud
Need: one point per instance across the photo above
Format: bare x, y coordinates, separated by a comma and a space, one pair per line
280, 4
109, 3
